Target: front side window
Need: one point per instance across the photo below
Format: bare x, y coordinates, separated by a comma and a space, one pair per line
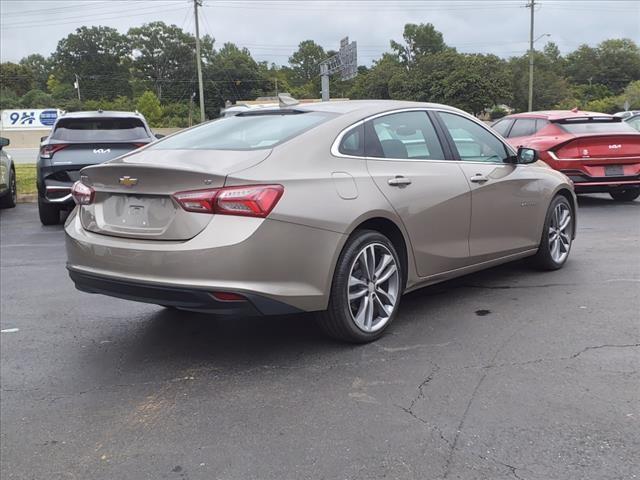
523, 127
473, 142
404, 135
244, 131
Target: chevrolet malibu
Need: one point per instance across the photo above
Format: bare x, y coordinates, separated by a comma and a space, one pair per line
337, 208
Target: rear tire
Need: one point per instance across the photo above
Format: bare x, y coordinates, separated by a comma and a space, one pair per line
49, 214
628, 195
557, 235
366, 289
11, 198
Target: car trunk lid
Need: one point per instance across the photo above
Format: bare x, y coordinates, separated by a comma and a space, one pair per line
133, 194
622, 146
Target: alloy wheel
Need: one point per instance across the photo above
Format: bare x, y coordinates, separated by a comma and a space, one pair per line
560, 233
373, 287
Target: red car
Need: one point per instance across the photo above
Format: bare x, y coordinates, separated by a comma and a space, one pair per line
598, 152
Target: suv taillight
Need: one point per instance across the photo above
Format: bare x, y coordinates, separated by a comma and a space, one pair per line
82, 194
48, 150
247, 201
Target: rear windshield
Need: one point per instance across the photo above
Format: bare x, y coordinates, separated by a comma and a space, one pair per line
245, 131
99, 129
596, 127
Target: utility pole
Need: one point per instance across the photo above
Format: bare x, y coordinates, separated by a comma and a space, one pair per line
196, 4
77, 85
532, 6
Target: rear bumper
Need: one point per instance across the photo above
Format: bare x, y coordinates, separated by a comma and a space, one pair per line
287, 263
180, 297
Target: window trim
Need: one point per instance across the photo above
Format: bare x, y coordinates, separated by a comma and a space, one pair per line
449, 138
443, 140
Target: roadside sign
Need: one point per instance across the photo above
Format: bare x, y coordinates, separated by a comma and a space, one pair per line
344, 63
29, 119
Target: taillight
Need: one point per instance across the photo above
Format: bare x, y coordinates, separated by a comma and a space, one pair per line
248, 201
48, 150
82, 194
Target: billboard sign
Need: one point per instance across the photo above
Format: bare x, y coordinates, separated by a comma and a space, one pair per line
29, 119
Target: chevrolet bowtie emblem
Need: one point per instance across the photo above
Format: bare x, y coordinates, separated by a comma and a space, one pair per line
128, 181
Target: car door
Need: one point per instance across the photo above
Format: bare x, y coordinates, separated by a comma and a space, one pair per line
505, 197
407, 161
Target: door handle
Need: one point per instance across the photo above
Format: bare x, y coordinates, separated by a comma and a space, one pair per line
479, 178
399, 181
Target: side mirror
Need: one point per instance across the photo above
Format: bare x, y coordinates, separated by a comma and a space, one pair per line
42, 139
527, 155
4, 142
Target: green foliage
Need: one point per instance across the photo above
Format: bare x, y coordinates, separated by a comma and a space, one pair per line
17, 78
497, 112
99, 56
419, 40
149, 106
8, 99
632, 95
40, 68
305, 62
153, 69
36, 99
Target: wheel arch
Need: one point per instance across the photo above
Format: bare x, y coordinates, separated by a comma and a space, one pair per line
390, 229
567, 193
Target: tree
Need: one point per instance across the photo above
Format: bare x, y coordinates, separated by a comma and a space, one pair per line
40, 69
305, 62
36, 99
419, 40
232, 75
100, 56
619, 63
164, 57
375, 82
17, 78
631, 94
149, 106
549, 87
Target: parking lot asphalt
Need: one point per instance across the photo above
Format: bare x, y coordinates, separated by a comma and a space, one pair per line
505, 374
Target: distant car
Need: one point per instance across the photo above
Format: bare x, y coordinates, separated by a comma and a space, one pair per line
8, 189
77, 140
634, 121
337, 207
626, 114
598, 152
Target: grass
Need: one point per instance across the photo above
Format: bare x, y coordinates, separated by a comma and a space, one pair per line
26, 178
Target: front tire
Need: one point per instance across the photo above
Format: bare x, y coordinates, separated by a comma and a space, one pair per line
49, 214
366, 289
557, 235
11, 198
628, 195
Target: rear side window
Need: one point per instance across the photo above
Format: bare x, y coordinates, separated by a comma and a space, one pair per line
596, 127
523, 127
405, 135
502, 126
353, 142
245, 131
99, 130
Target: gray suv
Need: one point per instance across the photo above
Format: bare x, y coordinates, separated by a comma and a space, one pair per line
77, 140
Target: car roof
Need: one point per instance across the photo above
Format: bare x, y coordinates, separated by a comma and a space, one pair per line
559, 114
102, 114
352, 106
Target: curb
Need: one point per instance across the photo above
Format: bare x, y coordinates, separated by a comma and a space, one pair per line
27, 197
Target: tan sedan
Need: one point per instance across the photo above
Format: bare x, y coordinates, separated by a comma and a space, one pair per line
337, 208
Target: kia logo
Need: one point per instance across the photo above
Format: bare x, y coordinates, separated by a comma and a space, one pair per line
101, 150
615, 146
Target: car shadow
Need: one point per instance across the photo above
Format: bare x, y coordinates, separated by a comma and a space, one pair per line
173, 337
599, 200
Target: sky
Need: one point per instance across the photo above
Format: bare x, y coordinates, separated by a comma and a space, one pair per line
272, 29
